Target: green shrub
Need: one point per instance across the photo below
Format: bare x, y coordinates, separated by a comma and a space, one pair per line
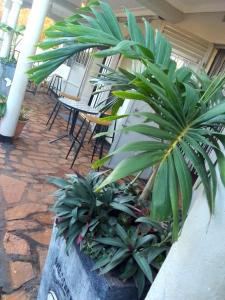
110, 227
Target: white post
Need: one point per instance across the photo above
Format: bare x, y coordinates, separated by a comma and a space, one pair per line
6, 9
11, 21
20, 80
194, 268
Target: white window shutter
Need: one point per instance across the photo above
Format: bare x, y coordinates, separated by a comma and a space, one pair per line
185, 45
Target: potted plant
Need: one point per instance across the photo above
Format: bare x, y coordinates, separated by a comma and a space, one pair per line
107, 227
188, 113
23, 119
8, 64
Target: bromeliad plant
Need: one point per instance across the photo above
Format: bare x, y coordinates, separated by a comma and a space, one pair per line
188, 110
109, 227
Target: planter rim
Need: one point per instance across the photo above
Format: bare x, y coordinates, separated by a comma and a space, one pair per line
23, 121
8, 63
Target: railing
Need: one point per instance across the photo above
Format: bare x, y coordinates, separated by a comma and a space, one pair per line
80, 58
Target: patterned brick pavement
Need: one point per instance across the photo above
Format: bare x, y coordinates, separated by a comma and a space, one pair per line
25, 198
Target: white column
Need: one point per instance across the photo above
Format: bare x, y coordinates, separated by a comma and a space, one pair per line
6, 9
19, 84
12, 22
194, 268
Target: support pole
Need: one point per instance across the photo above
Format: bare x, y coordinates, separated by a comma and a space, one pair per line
6, 9
20, 80
12, 22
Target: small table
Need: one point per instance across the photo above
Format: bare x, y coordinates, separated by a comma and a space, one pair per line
76, 108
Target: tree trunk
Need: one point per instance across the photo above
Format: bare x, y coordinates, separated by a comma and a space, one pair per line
144, 197
194, 268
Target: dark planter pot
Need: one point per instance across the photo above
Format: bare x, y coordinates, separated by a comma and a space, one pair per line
69, 277
7, 70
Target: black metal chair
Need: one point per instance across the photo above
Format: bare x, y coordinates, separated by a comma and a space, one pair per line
100, 142
55, 85
57, 107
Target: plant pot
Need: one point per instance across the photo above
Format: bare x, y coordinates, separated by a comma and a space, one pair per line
7, 70
69, 277
19, 128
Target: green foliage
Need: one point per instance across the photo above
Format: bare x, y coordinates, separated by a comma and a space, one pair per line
97, 26
108, 227
2, 105
18, 31
24, 114
7, 60
188, 108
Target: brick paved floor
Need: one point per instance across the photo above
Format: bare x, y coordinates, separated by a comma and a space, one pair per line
25, 198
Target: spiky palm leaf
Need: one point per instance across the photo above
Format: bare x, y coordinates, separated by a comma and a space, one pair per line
99, 30
188, 108
183, 126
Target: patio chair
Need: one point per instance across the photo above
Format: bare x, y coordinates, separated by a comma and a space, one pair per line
57, 107
99, 126
55, 85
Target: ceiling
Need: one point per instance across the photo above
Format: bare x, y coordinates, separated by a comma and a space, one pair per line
192, 15
63, 8
175, 8
196, 6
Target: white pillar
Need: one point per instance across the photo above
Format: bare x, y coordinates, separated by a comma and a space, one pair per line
12, 22
20, 80
6, 9
194, 268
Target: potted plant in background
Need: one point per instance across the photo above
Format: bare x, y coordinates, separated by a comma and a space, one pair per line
23, 119
188, 113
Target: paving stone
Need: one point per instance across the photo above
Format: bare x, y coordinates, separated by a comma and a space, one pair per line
21, 225
15, 245
44, 218
18, 295
20, 272
10, 193
42, 254
42, 237
27, 163
23, 210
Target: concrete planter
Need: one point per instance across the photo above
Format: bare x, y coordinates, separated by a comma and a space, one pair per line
7, 71
69, 277
194, 268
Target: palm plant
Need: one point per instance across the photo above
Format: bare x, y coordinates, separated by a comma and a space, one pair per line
187, 109
16, 33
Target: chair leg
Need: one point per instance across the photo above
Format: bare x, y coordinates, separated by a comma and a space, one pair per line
94, 150
93, 132
52, 113
80, 145
81, 126
56, 114
101, 148
68, 122
50, 84
71, 147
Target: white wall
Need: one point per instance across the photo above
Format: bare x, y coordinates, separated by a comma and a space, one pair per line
195, 267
